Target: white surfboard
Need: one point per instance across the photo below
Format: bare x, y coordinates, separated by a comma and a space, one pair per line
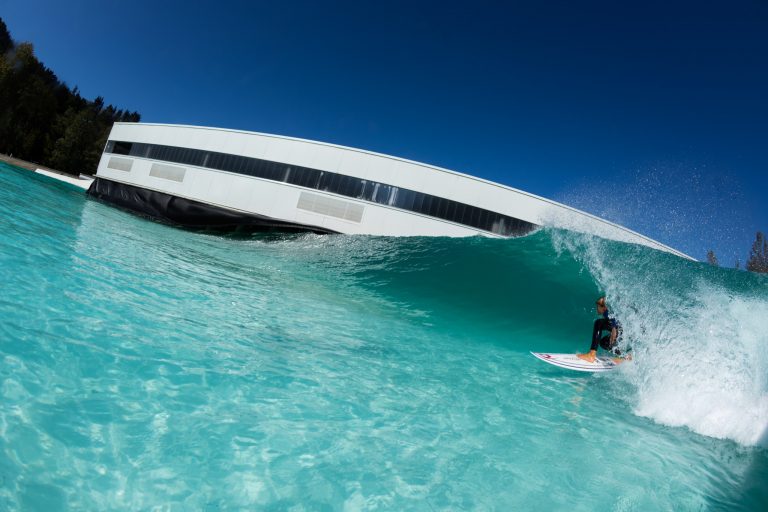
573, 362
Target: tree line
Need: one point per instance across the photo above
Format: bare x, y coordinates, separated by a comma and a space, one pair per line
758, 256
44, 121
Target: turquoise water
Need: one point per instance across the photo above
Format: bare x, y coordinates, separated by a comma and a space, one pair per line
145, 367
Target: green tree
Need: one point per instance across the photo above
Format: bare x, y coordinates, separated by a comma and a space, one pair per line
758, 256
43, 120
6, 43
29, 105
74, 151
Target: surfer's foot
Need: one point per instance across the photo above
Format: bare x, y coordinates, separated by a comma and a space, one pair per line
619, 360
589, 356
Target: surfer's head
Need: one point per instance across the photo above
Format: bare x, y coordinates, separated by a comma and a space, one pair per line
601, 305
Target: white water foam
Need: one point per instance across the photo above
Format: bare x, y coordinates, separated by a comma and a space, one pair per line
700, 348
710, 374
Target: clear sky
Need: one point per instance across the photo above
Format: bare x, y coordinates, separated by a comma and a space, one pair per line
652, 114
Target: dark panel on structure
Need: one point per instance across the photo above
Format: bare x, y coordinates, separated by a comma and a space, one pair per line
186, 213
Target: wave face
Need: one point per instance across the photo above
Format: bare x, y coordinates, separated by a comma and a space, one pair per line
699, 334
145, 366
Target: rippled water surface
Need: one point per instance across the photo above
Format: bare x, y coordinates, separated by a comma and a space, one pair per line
144, 367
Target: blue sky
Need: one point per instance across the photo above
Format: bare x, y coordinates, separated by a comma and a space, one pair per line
653, 114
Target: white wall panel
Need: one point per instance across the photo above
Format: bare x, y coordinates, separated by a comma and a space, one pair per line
326, 159
264, 198
353, 163
278, 150
218, 190
240, 192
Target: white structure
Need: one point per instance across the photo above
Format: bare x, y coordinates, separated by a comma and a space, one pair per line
216, 178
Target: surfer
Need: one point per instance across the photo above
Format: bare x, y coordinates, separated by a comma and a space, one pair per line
606, 322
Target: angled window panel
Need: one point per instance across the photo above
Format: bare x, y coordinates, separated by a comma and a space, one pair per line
260, 168
450, 210
418, 202
216, 161
248, 166
122, 148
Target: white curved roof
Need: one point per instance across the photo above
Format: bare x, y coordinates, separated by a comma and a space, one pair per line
386, 169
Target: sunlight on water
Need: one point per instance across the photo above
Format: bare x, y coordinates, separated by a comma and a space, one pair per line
146, 367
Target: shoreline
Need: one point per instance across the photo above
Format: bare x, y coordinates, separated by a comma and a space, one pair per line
78, 181
30, 166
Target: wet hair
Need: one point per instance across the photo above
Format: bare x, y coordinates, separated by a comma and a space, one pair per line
601, 302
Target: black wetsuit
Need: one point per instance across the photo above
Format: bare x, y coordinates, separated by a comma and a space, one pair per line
606, 323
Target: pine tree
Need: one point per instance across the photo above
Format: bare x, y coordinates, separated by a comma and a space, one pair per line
6, 43
758, 256
43, 120
74, 151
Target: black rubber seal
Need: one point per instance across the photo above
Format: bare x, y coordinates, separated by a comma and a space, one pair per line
186, 213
